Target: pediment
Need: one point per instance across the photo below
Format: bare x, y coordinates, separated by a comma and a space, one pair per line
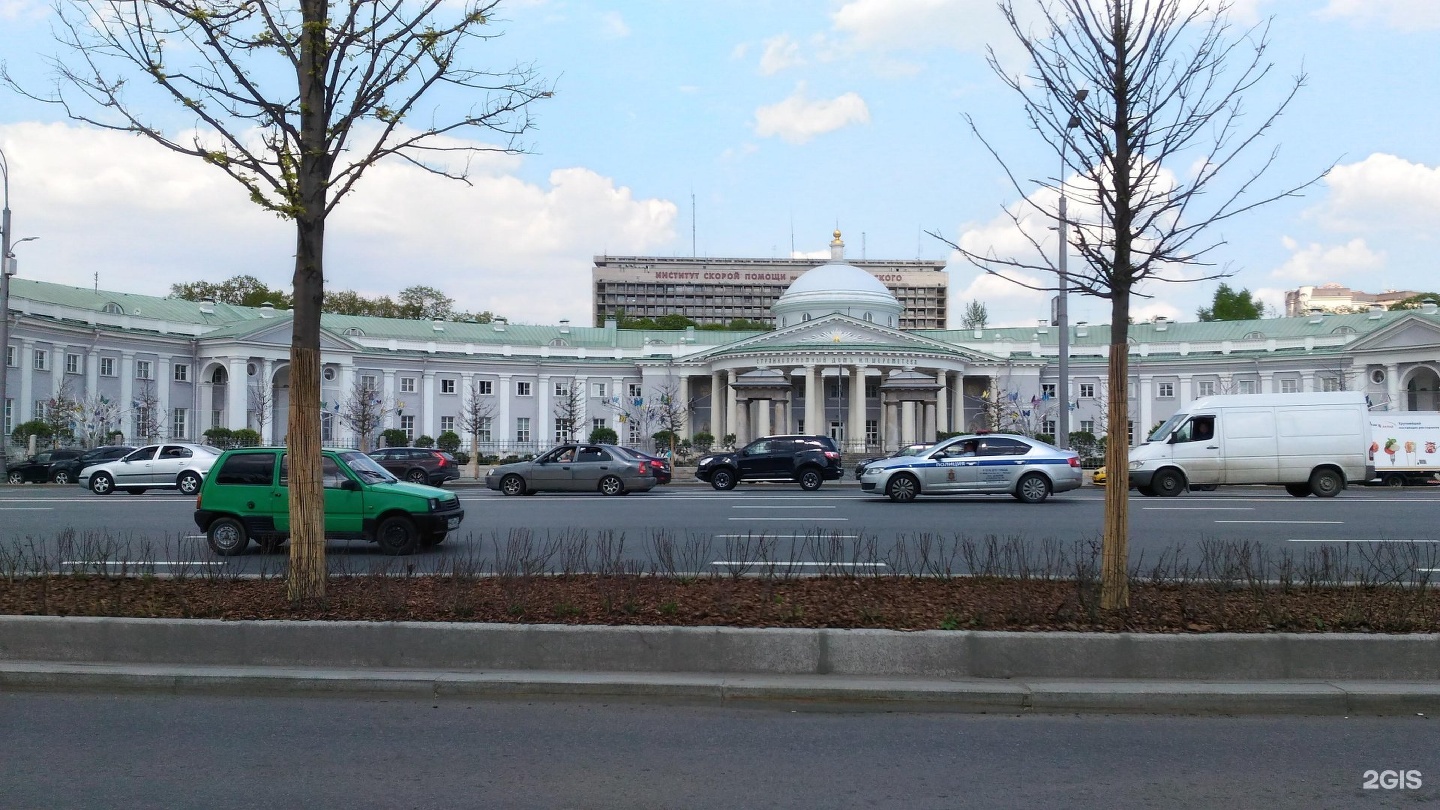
279, 334
1406, 333
838, 333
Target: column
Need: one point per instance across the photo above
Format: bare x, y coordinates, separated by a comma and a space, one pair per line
544, 430
25, 403
1267, 382
267, 390
928, 434
1145, 418
907, 422
762, 417
942, 404
1185, 389
1307, 381
387, 392
582, 418
717, 405
855, 434
961, 424
343, 432
742, 419
813, 398
1392, 386
235, 391
92, 373
890, 436
162, 395
504, 433
732, 410
685, 431
427, 403
57, 368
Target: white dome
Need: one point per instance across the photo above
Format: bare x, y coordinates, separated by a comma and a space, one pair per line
837, 287
837, 277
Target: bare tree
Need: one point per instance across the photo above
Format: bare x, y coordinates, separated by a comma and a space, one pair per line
262, 401
60, 415
146, 410
1164, 127
96, 416
476, 417
632, 412
569, 409
670, 411
295, 100
364, 410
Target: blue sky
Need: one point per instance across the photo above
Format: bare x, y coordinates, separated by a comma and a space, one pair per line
779, 119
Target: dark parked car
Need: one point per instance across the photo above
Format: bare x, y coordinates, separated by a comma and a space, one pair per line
39, 468
907, 450
659, 467
68, 472
418, 465
810, 460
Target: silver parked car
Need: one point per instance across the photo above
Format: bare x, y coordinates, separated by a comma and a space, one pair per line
174, 465
984, 463
574, 468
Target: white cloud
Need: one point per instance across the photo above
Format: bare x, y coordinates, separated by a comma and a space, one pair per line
739, 52
146, 218
798, 119
613, 25
27, 9
1382, 193
781, 52
1406, 15
1316, 263
909, 25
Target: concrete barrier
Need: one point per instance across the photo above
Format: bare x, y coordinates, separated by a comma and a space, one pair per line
720, 650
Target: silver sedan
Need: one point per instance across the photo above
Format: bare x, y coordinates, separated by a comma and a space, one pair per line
574, 468
984, 463
176, 465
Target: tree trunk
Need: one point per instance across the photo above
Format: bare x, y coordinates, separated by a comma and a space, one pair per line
1115, 543
307, 493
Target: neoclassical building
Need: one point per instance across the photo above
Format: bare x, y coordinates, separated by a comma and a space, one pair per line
836, 363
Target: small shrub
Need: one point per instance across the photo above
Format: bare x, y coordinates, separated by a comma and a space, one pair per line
449, 442
424, 441
245, 437
221, 437
703, 441
604, 435
395, 437
461, 456
35, 427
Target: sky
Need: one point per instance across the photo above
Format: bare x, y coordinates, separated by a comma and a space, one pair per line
750, 128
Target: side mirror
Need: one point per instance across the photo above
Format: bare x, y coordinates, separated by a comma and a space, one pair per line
350, 485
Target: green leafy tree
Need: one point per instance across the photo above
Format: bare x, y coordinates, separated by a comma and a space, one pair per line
243, 290
1416, 301
1231, 306
976, 316
35, 427
425, 303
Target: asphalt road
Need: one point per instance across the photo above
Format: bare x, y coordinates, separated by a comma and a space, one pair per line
836, 526
107, 751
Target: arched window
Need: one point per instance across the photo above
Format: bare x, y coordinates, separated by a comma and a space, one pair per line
355, 331
217, 377
559, 342
113, 308
870, 316
1343, 330
1254, 336
805, 317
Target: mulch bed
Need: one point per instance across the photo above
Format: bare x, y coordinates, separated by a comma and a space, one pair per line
899, 603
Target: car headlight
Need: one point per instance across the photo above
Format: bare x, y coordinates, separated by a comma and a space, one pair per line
492, 472
706, 460
1135, 465
434, 504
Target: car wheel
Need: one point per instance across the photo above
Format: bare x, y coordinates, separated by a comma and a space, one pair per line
15, 477
227, 537
189, 483
903, 488
1394, 480
1298, 490
1032, 488
611, 485
1168, 483
416, 476
61, 477
722, 479
810, 479
397, 536
102, 484
1326, 483
512, 485
1146, 491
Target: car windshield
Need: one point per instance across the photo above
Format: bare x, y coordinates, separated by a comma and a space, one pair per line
1169, 425
365, 467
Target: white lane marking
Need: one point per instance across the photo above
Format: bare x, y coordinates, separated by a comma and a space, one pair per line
757, 536
804, 564
1290, 522
816, 519
27, 509
1295, 540
1199, 508
138, 564
784, 507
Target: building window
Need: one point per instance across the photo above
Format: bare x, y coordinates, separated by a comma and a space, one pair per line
407, 424
143, 370
1048, 426
327, 427
872, 388
482, 430
328, 374
1130, 389
634, 432
42, 360
182, 372
522, 429
1165, 390
597, 423
522, 389
562, 388
40, 409
1330, 384
1047, 390
407, 385
368, 382
1087, 426
447, 386
1087, 390
1289, 386
9, 412
72, 364
107, 367
634, 389
1205, 388
180, 423
113, 308
562, 430
215, 418
485, 388
9, 360
447, 424
1130, 432
599, 389
872, 431
1247, 386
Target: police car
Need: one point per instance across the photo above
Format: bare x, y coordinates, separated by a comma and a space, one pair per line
981, 464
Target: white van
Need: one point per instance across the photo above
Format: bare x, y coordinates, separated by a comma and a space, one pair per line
1311, 443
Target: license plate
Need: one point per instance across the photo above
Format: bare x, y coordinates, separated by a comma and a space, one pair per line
452, 523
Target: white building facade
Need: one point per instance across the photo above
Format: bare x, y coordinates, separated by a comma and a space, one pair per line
837, 363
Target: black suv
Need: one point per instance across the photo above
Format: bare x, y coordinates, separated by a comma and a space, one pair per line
68, 472
811, 460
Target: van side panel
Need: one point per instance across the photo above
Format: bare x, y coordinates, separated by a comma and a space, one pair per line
1310, 437
1250, 446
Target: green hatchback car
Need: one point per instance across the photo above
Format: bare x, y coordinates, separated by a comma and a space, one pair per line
246, 497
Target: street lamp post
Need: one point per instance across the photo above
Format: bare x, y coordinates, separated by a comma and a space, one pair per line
4, 305
1062, 303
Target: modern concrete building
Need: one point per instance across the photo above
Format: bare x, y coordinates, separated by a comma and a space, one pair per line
839, 362
1338, 298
